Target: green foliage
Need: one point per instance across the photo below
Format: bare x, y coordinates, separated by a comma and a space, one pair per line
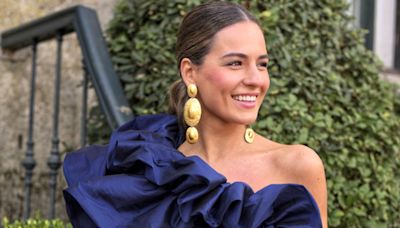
142, 39
325, 92
36, 223
98, 130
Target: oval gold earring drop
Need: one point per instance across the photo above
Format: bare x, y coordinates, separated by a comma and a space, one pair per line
192, 114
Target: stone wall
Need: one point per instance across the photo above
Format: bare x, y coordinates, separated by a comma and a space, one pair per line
15, 74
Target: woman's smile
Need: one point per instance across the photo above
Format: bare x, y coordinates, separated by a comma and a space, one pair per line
246, 100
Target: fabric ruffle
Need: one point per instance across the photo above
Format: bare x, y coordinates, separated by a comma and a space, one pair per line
140, 179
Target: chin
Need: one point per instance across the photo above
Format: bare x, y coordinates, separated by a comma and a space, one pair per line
246, 120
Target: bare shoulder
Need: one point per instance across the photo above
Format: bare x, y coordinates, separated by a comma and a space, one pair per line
302, 157
300, 162
295, 156
305, 167
296, 163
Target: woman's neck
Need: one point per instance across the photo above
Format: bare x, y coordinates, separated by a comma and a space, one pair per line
217, 140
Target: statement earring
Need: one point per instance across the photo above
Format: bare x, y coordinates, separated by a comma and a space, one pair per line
249, 135
192, 114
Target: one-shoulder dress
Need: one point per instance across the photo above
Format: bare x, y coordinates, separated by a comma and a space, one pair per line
140, 179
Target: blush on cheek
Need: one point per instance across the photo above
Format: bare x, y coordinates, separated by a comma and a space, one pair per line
221, 79
217, 78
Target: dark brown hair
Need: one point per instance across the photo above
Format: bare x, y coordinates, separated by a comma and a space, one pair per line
194, 41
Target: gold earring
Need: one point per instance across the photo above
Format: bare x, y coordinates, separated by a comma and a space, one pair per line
249, 135
192, 114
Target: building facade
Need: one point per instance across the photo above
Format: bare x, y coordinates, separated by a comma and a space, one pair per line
382, 20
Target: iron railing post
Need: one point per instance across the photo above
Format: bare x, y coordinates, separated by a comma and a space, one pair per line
54, 161
85, 86
29, 162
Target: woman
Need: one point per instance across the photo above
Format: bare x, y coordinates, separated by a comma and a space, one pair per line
203, 166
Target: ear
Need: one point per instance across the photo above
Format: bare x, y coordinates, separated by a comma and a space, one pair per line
188, 71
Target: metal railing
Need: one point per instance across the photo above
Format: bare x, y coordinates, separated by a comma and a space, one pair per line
97, 66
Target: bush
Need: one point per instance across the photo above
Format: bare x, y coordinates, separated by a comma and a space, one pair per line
325, 93
35, 223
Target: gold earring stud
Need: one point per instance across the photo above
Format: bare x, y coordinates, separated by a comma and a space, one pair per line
249, 135
192, 114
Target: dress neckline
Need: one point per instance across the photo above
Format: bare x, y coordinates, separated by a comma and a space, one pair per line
199, 159
165, 126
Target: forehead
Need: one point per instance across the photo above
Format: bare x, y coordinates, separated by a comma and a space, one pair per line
243, 37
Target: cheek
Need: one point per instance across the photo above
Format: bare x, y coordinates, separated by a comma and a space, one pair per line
217, 81
215, 78
265, 87
266, 84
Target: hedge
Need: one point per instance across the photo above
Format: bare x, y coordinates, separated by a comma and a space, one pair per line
325, 93
36, 222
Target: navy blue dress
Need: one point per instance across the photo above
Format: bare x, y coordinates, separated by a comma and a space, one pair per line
141, 180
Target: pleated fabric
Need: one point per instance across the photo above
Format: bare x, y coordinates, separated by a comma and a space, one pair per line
140, 180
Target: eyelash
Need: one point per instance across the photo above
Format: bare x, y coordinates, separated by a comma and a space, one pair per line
264, 64
235, 63
239, 63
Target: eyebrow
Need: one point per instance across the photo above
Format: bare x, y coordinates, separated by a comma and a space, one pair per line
241, 55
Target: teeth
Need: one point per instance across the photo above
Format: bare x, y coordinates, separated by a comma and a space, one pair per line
245, 98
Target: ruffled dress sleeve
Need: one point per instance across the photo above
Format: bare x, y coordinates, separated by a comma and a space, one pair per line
141, 180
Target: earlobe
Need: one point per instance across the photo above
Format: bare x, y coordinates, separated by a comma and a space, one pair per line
187, 70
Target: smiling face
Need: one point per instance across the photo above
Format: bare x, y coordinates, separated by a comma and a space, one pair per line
233, 78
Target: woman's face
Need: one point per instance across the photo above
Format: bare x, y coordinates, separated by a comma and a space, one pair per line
233, 79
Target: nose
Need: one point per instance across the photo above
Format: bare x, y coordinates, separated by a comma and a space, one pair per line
256, 77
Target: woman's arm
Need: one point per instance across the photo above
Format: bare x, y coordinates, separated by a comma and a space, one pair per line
309, 171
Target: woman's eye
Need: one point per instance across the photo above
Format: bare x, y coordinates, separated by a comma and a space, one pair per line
235, 63
263, 64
